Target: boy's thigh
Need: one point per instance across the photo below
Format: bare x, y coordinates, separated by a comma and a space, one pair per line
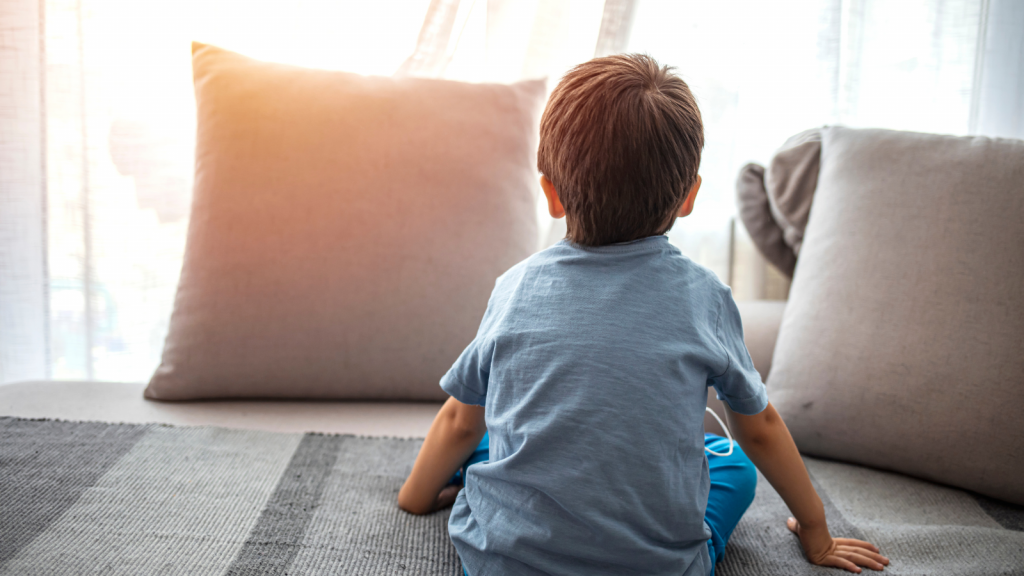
733, 481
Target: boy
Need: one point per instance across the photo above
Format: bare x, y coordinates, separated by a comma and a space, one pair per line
591, 366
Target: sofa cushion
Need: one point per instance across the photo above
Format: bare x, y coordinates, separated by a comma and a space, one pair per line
346, 231
755, 211
902, 346
774, 204
790, 180
98, 401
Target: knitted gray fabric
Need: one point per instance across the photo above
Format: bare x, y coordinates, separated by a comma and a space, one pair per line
85, 498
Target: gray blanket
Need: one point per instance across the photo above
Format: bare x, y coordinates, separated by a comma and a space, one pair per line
89, 498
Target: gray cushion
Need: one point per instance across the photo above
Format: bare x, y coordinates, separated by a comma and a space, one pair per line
346, 231
902, 346
756, 213
790, 180
774, 204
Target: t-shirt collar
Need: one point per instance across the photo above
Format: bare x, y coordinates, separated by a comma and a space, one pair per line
638, 245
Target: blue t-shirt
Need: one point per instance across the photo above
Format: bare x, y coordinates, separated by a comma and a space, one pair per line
593, 365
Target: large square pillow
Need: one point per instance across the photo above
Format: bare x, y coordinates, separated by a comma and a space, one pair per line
346, 231
902, 346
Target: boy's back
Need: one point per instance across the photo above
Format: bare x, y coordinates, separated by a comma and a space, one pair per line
593, 365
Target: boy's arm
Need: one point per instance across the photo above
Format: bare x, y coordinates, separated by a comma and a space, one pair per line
766, 440
455, 433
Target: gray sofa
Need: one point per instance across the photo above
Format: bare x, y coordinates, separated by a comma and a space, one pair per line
861, 370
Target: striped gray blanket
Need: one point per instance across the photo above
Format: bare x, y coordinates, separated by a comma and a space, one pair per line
91, 498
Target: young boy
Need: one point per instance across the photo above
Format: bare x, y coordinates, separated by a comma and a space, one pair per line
591, 366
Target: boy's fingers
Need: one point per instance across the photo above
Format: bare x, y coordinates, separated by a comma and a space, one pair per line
837, 562
858, 543
860, 560
447, 497
866, 553
793, 525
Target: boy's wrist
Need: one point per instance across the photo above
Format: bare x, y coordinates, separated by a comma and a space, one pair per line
814, 520
813, 524
814, 538
812, 513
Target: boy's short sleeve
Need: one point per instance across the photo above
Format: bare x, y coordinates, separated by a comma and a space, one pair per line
466, 380
739, 385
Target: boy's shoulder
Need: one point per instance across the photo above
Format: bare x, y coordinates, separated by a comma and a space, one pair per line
700, 273
680, 267
663, 279
516, 272
537, 259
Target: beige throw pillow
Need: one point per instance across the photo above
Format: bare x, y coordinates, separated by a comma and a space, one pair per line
346, 231
902, 345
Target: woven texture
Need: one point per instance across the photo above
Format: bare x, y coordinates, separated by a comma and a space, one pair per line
86, 498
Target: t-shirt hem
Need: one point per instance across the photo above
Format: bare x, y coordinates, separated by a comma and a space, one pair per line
746, 406
456, 389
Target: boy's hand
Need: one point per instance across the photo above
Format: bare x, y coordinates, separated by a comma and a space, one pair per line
824, 550
766, 440
447, 496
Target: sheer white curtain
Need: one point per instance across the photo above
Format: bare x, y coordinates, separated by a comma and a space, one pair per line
763, 71
97, 120
98, 132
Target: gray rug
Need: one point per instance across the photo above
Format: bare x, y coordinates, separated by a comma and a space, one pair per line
89, 498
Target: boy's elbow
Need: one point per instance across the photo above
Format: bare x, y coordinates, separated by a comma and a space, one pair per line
464, 429
410, 505
412, 509
753, 441
759, 430
465, 421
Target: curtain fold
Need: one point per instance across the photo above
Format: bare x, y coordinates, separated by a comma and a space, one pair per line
24, 297
998, 95
616, 26
430, 58
764, 71
97, 121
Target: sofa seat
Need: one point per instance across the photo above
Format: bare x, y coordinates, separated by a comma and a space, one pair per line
120, 402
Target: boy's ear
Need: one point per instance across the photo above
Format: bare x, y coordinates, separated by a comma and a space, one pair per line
554, 204
687, 206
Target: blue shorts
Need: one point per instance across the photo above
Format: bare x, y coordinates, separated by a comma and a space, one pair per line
733, 480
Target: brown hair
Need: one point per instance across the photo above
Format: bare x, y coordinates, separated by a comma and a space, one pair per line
620, 140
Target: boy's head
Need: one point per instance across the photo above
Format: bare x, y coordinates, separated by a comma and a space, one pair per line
620, 144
